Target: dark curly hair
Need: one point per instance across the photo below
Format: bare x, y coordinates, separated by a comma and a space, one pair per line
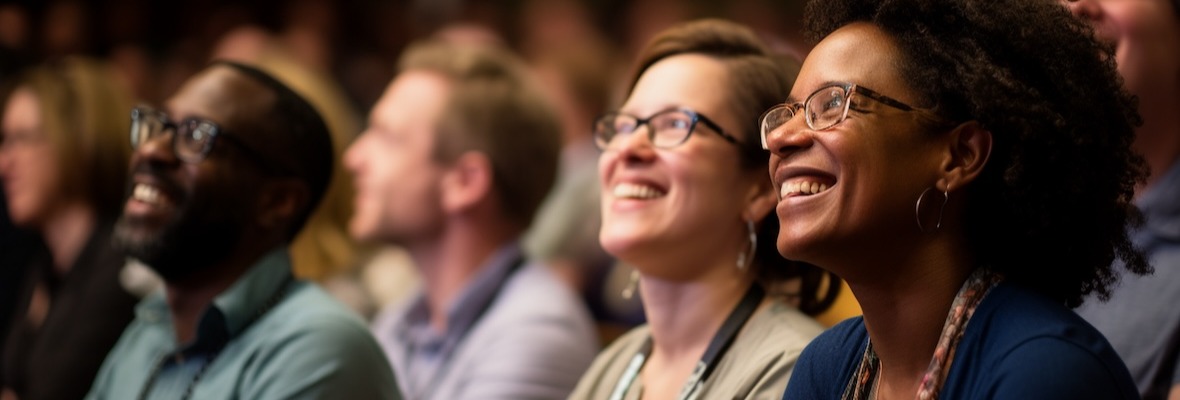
759, 80
1052, 206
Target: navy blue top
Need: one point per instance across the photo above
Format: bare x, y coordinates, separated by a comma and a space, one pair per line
1018, 345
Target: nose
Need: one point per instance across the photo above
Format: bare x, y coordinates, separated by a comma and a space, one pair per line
634, 147
157, 150
791, 137
353, 155
1088, 10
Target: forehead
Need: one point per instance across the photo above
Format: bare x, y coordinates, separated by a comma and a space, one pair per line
858, 53
21, 111
688, 80
224, 96
416, 97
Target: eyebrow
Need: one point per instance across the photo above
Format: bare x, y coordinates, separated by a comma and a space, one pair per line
791, 99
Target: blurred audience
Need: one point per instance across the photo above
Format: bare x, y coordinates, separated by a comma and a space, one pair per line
1140, 320
63, 162
458, 155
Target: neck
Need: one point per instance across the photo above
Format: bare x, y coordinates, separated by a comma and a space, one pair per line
189, 297
1158, 139
448, 262
905, 306
684, 317
66, 233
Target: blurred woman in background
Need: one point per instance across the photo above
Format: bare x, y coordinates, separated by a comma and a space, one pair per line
63, 163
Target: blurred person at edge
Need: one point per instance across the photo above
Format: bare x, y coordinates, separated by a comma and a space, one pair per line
686, 201
1141, 320
459, 153
975, 183
63, 162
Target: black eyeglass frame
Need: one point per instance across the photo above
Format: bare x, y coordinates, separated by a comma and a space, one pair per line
849, 89
694, 118
140, 114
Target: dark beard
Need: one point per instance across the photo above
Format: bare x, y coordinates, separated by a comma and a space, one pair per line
186, 244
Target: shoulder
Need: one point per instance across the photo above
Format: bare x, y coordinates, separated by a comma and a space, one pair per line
534, 302
827, 362
310, 345
311, 323
1023, 344
764, 355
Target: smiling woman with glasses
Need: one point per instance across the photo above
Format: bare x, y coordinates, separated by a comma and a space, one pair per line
964, 242
686, 201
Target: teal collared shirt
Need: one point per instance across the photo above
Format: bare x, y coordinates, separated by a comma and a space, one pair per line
279, 338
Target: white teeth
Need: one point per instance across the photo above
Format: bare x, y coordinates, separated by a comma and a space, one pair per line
803, 188
147, 194
635, 191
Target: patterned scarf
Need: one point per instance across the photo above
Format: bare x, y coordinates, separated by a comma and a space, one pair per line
860, 386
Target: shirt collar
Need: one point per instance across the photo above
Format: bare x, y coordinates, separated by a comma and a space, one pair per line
470, 302
234, 308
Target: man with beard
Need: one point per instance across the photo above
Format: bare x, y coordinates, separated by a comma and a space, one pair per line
459, 153
221, 179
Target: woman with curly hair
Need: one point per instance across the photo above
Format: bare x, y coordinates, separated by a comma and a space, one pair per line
965, 166
685, 200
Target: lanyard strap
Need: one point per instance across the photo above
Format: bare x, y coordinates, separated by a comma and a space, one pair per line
721, 342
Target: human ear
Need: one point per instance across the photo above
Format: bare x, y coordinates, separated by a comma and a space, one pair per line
760, 199
280, 200
968, 147
467, 181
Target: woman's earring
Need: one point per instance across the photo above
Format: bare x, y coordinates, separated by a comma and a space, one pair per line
746, 258
632, 285
941, 208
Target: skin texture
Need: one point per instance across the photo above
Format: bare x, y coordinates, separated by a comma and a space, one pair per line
702, 201
398, 182
876, 162
28, 163
195, 195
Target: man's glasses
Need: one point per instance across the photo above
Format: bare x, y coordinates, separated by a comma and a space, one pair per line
666, 129
827, 107
192, 138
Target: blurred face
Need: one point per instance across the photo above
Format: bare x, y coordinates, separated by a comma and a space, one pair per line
398, 195
864, 174
28, 163
1145, 33
685, 201
182, 216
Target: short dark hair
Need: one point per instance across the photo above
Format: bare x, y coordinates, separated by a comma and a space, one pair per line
1052, 206
759, 80
308, 151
